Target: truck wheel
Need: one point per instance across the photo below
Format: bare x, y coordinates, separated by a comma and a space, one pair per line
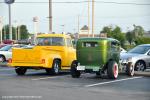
129, 69
74, 72
112, 70
55, 67
20, 71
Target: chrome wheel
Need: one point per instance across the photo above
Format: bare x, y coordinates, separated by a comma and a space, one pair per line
2, 59
56, 67
140, 66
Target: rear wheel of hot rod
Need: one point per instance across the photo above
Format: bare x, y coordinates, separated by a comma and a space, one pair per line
20, 71
129, 69
112, 70
74, 72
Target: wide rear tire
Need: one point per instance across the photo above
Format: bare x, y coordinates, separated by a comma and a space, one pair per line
74, 72
55, 68
112, 70
20, 71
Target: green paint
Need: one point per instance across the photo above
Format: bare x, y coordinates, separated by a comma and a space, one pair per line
94, 53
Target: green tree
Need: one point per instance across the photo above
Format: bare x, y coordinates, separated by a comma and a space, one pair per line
5, 32
130, 37
24, 34
138, 31
107, 30
119, 35
115, 33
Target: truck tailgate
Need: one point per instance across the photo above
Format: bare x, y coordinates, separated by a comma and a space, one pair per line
26, 56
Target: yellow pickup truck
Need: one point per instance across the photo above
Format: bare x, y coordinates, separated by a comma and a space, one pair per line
52, 52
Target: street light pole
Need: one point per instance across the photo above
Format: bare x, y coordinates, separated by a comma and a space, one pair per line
93, 18
50, 16
1, 28
10, 26
88, 18
9, 2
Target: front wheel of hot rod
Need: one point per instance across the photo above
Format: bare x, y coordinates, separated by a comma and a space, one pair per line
20, 71
129, 69
112, 70
74, 72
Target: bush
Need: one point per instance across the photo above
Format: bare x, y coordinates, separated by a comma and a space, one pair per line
142, 40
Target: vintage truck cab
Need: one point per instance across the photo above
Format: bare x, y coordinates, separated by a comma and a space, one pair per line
52, 52
97, 55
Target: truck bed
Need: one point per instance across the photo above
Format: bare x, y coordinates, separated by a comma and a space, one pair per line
20, 55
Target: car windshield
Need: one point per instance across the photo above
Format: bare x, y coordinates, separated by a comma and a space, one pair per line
6, 48
50, 41
139, 49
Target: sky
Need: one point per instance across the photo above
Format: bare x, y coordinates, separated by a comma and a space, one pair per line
65, 15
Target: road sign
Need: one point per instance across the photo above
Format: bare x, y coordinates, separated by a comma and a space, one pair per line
9, 1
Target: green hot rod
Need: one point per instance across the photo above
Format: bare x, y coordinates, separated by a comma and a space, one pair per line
97, 55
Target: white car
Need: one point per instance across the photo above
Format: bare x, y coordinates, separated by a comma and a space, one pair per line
6, 52
138, 58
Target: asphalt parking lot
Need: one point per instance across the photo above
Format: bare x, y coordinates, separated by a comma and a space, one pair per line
37, 85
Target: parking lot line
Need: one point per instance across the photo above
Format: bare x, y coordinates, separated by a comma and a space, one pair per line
36, 79
91, 85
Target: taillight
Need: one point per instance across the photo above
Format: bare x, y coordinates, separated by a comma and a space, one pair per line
9, 60
43, 61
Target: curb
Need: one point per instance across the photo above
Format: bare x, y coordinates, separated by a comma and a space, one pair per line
3, 65
146, 74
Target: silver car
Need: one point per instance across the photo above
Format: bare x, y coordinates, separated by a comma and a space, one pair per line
138, 57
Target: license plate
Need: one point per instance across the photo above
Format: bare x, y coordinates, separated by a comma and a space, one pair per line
80, 67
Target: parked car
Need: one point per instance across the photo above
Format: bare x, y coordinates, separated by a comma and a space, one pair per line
6, 52
122, 50
137, 58
97, 55
2, 45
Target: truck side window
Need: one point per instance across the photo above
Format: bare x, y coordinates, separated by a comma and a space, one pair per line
69, 42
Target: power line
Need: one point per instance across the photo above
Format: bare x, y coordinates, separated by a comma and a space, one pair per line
78, 2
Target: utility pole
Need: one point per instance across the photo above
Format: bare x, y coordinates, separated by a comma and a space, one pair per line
88, 18
1, 28
78, 25
35, 21
50, 16
93, 18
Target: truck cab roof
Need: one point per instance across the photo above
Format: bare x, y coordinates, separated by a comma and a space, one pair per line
54, 35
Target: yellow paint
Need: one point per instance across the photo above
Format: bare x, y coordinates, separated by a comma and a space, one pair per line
33, 57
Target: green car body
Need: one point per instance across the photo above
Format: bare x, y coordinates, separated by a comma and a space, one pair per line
95, 55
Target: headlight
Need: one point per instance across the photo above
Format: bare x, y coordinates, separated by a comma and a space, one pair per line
129, 59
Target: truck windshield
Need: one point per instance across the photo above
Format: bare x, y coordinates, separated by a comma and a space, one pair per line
50, 41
